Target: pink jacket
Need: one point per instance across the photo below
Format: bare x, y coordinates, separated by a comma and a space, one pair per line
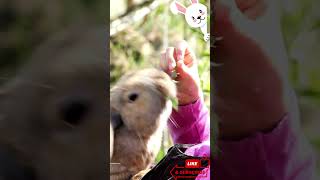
278, 155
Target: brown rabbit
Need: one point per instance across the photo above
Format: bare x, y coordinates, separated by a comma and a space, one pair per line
140, 107
54, 114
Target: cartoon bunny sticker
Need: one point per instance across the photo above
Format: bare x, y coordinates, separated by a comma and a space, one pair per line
195, 15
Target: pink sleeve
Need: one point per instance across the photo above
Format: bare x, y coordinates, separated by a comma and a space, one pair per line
191, 124
277, 155
281, 154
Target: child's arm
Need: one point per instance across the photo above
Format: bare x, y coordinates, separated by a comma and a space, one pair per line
191, 124
277, 155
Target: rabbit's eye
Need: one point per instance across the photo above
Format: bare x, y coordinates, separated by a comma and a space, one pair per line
73, 112
193, 18
200, 11
132, 97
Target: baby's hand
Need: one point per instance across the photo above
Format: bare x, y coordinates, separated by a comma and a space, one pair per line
182, 61
248, 86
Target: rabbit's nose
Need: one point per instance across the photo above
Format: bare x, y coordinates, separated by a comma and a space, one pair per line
116, 120
199, 17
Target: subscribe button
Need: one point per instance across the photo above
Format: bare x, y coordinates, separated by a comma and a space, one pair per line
192, 168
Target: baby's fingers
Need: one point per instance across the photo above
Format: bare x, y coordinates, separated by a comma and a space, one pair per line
184, 53
170, 58
167, 62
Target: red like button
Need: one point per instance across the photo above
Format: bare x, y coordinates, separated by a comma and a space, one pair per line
192, 163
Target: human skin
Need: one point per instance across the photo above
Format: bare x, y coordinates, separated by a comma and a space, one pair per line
247, 88
248, 92
181, 59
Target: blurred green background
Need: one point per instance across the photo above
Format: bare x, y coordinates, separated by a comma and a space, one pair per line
140, 29
301, 30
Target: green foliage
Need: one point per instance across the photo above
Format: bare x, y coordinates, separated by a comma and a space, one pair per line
300, 28
160, 155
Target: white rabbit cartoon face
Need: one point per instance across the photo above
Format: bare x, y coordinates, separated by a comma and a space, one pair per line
196, 15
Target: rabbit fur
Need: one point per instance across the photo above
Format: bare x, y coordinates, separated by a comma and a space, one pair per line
137, 138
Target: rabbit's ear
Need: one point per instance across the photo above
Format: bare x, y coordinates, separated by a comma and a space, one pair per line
176, 8
194, 1
162, 86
